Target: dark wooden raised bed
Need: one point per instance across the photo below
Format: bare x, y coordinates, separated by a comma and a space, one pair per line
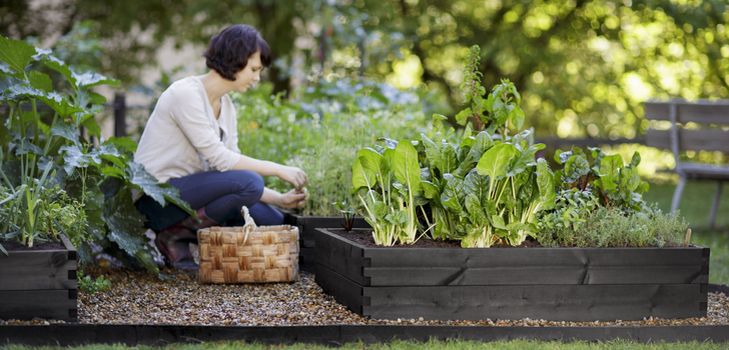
307, 225
571, 284
39, 283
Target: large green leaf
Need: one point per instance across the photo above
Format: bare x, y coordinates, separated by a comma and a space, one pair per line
15, 53
40, 81
161, 193
57, 102
575, 167
609, 172
476, 214
405, 166
365, 169
452, 193
57, 65
430, 190
74, 157
496, 161
125, 223
546, 185
66, 131
477, 185
90, 79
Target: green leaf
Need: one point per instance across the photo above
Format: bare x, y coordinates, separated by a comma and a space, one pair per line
73, 157
90, 79
405, 166
477, 185
546, 184
161, 193
609, 172
430, 190
452, 193
125, 144
463, 115
365, 168
40, 81
495, 162
66, 131
575, 167
57, 65
125, 223
15, 53
476, 214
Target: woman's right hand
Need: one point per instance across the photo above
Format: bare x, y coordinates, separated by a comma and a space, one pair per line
293, 175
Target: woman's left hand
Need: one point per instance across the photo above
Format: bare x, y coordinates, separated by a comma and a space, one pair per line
293, 175
292, 199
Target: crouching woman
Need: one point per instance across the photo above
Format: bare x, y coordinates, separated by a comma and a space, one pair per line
191, 142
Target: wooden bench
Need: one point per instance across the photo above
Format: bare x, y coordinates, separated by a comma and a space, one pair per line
693, 126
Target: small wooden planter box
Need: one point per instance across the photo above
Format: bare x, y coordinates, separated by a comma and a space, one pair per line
307, 226
39, 284
570, 284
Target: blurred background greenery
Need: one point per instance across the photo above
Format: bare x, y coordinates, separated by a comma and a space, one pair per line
583, 67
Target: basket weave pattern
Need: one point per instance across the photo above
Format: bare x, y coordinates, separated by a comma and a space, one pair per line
248, 254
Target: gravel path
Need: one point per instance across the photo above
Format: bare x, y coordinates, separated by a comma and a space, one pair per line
140, 298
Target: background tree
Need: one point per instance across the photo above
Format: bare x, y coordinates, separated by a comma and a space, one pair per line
583, 67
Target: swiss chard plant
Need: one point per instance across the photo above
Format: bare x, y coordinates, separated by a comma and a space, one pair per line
389, 186
45, 156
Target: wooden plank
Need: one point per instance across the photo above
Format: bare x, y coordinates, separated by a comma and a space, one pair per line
534, 275
510, 257
549, 302
340, 255
345, 291
59, 304
704, 112
690, 140
28, 270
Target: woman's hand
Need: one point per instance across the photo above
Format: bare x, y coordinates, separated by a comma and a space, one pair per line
293, 175
292, 199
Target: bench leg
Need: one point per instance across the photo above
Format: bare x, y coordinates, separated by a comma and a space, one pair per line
677, 194
715, 206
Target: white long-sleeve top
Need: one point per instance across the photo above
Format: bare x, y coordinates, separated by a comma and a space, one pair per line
183, 137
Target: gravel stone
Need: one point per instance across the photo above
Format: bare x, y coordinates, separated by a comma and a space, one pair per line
177, 298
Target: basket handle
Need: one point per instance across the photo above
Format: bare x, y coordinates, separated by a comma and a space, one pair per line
250, 225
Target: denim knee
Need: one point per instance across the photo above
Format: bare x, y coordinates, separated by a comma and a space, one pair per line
251, 185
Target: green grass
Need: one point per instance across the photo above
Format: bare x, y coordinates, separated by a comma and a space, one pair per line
695, 207
509, 345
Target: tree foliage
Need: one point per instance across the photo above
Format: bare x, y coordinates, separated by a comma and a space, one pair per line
583, 66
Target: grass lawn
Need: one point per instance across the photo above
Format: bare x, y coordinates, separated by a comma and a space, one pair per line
695, 207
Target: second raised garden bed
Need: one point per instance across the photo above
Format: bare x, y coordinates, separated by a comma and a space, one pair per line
570, 284
39, 283
307, 225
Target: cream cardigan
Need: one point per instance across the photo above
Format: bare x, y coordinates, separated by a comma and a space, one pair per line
182, 137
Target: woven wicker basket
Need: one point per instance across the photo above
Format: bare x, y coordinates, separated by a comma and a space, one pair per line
248, 254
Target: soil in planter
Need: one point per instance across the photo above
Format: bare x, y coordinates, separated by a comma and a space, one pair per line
16, 246
364, 238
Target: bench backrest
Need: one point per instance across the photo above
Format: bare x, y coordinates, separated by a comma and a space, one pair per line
709, 119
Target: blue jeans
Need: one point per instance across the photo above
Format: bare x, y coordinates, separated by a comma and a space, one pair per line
221, 193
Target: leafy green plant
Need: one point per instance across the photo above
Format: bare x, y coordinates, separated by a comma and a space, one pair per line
43, 148
92, 285
388, 185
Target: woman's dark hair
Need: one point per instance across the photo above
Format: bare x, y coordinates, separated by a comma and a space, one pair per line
229, 51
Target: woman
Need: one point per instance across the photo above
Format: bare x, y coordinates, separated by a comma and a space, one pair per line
191, 142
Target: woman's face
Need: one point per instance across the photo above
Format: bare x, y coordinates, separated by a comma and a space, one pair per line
250, 75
